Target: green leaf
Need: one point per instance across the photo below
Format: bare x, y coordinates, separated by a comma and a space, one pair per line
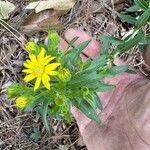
71, 43
130, 43
54, 110
128, 19
143, 4
96, 63
44, 114
106, 40
86, 108
87, 63
68, 117
142, 20
98, 102
17, 89
111, 39
133, 8
84, 79
36, 135
104, 87
90, 99
145, 40
53, 42
117, 69
74, 53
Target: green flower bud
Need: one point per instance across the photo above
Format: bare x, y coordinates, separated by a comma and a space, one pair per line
59, 100
85, 91
64, 75
31, 47
53, 39
14, 90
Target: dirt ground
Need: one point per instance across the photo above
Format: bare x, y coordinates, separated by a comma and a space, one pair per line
16, 128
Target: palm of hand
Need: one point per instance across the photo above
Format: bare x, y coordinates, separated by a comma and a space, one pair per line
125, 118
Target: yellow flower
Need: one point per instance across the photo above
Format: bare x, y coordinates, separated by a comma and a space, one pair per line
64, 74
21, 102
39, 67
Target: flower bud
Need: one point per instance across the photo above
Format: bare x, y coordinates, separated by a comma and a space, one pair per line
14, 90
53, 38
21, 102
85, 91
31, 47
64, 75
59, 100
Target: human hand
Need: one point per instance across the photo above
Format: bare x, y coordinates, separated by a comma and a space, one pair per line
125, 117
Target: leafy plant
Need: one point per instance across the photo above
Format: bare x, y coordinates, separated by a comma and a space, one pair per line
137, 37
55, 80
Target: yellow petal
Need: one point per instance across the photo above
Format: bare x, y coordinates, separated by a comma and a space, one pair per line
29, 77
48, 59
25, 64
33, 59
52, 66
27, 71
45, 80
37, 83
52, 73
29, 62
41, 55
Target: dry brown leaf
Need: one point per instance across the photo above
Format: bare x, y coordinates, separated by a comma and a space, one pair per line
51, 4
42, 21
5, 9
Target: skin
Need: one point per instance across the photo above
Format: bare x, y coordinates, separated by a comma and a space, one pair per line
126, 114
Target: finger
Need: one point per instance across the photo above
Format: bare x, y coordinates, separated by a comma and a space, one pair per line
92, 50
63, 44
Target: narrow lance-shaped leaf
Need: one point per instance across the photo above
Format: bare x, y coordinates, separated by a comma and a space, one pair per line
104, 87
128, 19
72, 42
117, 69
106, 40
74, 53
133, 8
142, 20
143, 4
84, 79
44, 114
98, 102
96, 63
129, 43
145, 40
86, 108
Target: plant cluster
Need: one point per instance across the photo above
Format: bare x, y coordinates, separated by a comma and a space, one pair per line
57, 80
137, 15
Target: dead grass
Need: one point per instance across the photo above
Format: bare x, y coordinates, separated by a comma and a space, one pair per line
16, 128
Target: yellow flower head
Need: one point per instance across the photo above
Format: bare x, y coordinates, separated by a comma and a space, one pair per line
21, 102
39, 67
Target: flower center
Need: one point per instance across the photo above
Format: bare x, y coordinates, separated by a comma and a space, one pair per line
38, 70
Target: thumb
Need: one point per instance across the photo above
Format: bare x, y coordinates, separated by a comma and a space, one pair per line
146, 54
